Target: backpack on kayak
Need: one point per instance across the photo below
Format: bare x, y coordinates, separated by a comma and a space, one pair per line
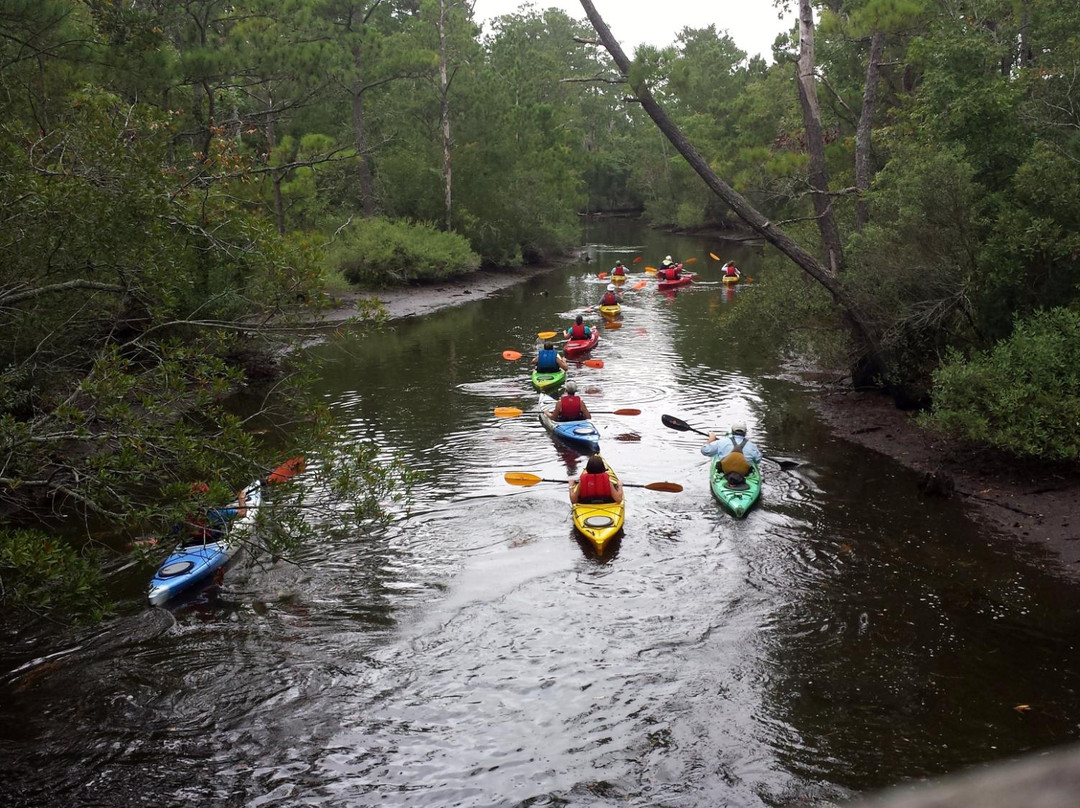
735, 462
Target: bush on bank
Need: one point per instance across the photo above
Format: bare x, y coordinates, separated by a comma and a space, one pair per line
380, 252
1023, 395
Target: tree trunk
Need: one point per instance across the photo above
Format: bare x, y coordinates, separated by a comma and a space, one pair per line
864, 129
815, 140
276, 177
868, 363
444, 116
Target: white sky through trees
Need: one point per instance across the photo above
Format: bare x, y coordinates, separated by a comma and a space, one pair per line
753, 24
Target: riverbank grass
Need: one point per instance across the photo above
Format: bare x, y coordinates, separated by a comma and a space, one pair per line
380, 252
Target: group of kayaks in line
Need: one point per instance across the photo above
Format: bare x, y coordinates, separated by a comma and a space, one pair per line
597, 508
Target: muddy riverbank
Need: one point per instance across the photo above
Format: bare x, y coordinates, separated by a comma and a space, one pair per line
1032, 501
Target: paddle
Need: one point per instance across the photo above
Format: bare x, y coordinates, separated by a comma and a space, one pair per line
690, 260
612, 324
514, 412
602, 275
651, 270
511, 356
287, 470
714, 256
636, 260
547, 334
677, 423
639, 285
592, 363
524, 478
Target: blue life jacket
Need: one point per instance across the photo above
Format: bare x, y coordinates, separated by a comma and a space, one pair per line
546, 360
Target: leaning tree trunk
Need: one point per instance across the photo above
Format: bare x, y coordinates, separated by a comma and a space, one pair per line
815, 140
868, 361
864, 129
444, 116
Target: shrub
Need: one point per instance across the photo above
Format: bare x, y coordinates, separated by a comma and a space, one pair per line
378, 252
1022, 396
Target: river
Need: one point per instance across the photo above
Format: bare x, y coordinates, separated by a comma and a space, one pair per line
848, 634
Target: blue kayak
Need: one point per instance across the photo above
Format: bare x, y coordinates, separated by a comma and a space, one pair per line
581, 436
196, 560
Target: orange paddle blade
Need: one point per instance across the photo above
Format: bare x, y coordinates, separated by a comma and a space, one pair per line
507, 412
511, 355
594, 363
714, 256
748, 280
547, 334
612, 325
651, 270
690, 260
628, 411
637, 259
639, 285
673, 488
602, 275
521, 478
287, 470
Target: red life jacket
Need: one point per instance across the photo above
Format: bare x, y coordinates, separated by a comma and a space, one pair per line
731, 272
595, 488
619, 271
570, 408
609, 299
577, 331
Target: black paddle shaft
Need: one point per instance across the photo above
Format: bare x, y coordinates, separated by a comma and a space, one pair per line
677, 423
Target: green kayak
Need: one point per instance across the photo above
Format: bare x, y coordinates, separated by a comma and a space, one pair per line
737, 499
548, 382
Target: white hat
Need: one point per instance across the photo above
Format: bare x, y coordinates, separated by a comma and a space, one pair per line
667, 257
738, 428
570, 388
611, 287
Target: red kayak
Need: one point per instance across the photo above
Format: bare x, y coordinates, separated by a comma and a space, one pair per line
683, 281
579, 347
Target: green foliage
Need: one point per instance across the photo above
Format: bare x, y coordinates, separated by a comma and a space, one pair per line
41, 573
379, 252
1023, 396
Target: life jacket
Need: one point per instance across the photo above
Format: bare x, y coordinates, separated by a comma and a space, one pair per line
578, 331
609, 299
736, 461
595, 488
547, 360
570, 408
731, 272
619, 271
671, 273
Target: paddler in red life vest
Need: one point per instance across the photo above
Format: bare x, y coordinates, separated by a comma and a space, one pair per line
669, 270
611, 297
594, 486
618, 271
570, 407
731, 271
578, 330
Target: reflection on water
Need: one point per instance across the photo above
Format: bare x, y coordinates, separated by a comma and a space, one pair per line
846, 635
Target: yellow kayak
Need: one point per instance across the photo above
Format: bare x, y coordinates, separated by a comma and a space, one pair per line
611, 311
599, 522
617, 279
732, 278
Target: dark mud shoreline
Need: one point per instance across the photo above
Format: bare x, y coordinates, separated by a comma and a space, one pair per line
1034, 502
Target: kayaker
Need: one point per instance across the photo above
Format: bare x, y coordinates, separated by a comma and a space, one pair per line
669, 270
618, 271
213, 524
548, 360
594, 486
570, 407
578, 330
611, 297
731, 271
736, 451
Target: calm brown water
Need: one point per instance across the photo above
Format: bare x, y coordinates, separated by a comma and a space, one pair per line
847, 635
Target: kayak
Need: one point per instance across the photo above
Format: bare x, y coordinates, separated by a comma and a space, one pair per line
599, 522
196, 560
617, 279
683, 281
731, 278
581, 436
548, 382
737, 499
611, 311
577, 347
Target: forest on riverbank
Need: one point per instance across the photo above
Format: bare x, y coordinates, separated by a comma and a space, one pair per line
178, 179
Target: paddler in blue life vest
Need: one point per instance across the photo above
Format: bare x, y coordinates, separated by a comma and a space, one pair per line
578, 330
548, 360
594, 485
216, 520
738, 455
570, 407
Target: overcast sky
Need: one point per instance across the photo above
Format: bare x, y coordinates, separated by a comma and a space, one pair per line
753, 24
